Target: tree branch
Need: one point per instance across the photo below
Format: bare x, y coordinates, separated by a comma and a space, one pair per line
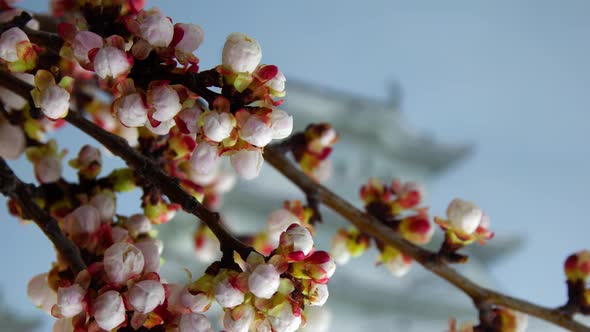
370, 225
12, 186
145, 168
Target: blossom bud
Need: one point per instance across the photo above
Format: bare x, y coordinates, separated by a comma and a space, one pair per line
109, 310
416, 229
165, 100
264, 281
204, 158
106, 205
146, 295
83, 220
287, 320
111, 62
69, 300
12, 141
194, 322
256, 132
88, 163
396, 262
281, 124
54, 102
156, 29
137, 224
227, 295
464, 216
83, 42
181, 300
189, 118
119, 234
151, 250
277, 83
48, 169
278, 222
296, 242
42, 296
9, 41
192, 37
131, 110
577, 266
241, 53
247, 163
217, 126
318, 294
239, 319
122, 261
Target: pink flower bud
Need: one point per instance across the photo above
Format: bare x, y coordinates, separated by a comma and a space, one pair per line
264, 281
165, 101
241, 53
48, 169
83, 220
146, 295
119, 234
227, 295
9, 42
204, 158
190, 118
131, 110
109, 310
281, 124
83, 42
69, 300
192, 37
111, 62
278, 222
464, 216
296, 241
88, 163
54, 102
217, 126
286, 321
106, 205
151, 250
256, 132
156, 29
42, 296
194, 322
137, 224
122, 261
239, 319
247, 163
181, 300
318, 294
12, 141
277, 83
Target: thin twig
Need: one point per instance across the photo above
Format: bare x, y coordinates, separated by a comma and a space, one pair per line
22, 193
370, 225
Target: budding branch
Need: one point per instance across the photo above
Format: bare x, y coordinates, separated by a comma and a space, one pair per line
150, 171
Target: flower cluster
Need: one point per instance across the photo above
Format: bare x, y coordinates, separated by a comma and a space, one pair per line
398, 207
312, 148
269, 293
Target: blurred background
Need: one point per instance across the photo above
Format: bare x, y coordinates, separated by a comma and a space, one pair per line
484, 100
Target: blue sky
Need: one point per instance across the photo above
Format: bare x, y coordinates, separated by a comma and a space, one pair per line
511, 77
